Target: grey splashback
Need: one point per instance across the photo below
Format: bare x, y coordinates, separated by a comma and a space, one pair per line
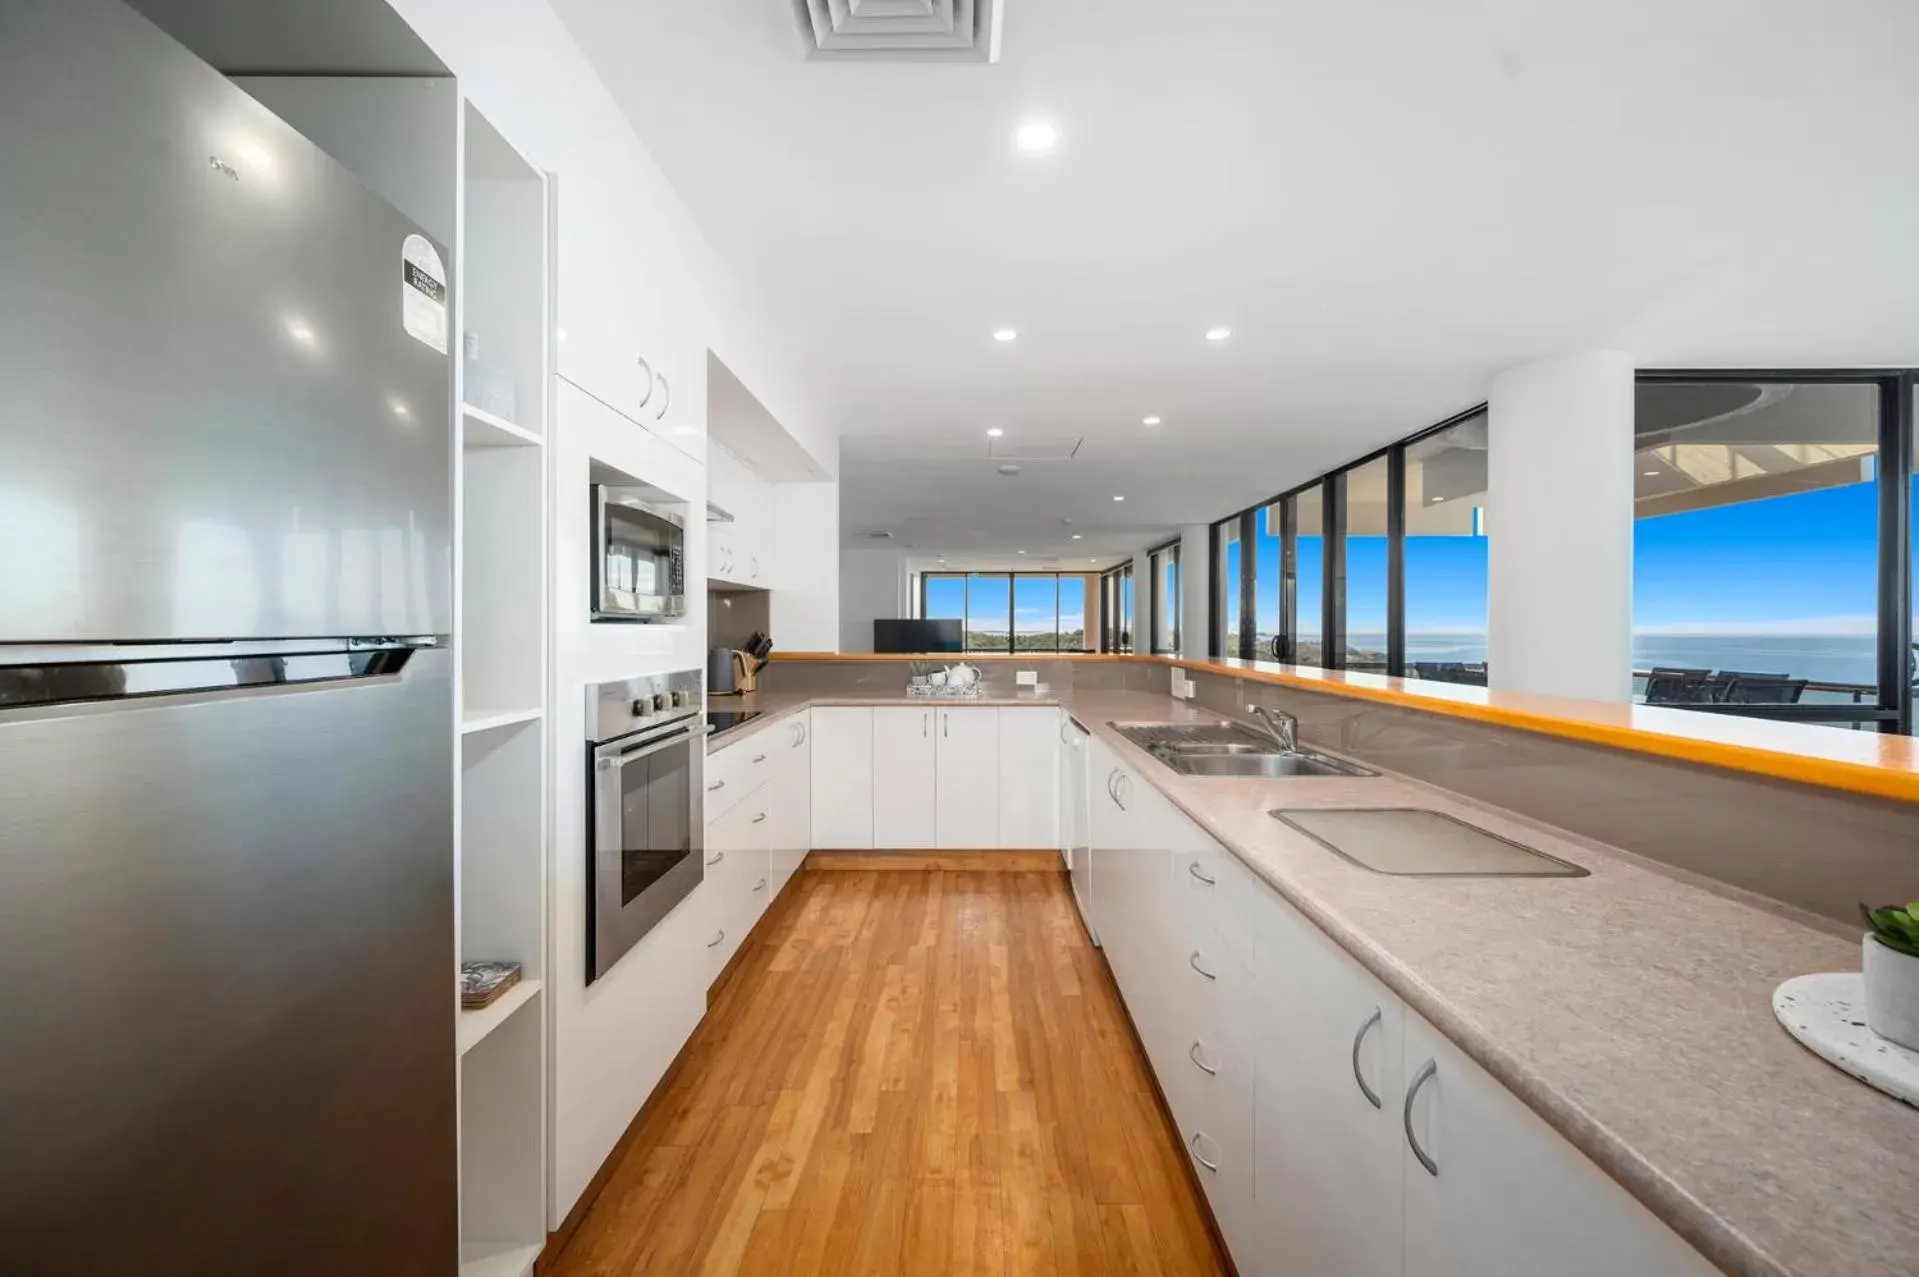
731, 615
1000, 678
1815, 850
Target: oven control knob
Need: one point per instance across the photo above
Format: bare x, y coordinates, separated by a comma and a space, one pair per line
643, 707
679, 700
660, 700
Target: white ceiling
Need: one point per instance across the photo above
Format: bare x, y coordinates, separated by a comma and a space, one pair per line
1387, 200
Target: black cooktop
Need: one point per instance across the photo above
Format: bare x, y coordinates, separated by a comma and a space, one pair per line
722, 720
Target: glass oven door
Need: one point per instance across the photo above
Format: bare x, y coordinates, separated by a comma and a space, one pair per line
648, 835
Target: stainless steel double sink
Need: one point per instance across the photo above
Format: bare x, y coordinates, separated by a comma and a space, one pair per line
1400, 841
1226, 749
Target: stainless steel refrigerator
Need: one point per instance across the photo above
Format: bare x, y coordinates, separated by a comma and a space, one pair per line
227, 1012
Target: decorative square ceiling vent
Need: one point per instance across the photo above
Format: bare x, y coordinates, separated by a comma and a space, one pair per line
901, 30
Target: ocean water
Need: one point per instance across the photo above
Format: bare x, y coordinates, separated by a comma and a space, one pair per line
1821, 658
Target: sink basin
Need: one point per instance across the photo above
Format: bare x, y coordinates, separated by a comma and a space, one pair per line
1266, 765
1228, 749
1412, 842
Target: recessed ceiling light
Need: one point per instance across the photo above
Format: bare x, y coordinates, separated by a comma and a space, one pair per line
1649, 474
400, 409
1218, 334
994, 433
1437, 500
1119, 498
1005, 334
1076, 536
1149, 421
1036, 136
300, 330
1022, 551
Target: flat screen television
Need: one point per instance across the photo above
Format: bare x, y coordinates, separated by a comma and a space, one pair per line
919, 636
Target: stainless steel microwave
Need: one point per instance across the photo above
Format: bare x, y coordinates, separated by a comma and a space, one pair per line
639, 555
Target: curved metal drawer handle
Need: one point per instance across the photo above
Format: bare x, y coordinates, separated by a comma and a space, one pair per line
651, 380
717, 857
1121, 784
718, 784
759, 758
1199, 1157
666, 395
760, 885
757, 819
721, 935
1193, 1055
1192, 867
1426, 1072
1193, 962
1371, 1095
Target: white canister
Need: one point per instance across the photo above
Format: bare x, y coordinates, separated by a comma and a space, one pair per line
1892, 993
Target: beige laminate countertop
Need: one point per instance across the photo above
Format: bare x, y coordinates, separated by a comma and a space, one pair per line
1630, 1009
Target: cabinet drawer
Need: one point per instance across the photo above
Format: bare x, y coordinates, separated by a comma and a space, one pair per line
1216, 1093
736, 771
1223, 896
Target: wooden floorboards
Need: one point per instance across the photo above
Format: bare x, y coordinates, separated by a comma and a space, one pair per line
922, 1072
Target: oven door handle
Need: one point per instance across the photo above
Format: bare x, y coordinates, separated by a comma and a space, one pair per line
628, 753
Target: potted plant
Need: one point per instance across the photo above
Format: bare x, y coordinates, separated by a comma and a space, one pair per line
1891, 964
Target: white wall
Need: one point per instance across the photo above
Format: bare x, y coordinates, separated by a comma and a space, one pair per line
1195, 581
872, 587
806, 598
1559, 521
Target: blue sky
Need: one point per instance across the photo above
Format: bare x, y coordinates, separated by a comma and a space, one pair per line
1801, 564
1804, 564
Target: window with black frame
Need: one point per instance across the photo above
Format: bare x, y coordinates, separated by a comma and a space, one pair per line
1164, 565
1758, 511
1016, 611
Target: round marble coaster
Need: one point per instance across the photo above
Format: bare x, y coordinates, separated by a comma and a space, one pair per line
1827, 1013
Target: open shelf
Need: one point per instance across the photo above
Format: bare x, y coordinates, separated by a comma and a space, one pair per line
497, 1259
487, 720
475, 1025
489, 430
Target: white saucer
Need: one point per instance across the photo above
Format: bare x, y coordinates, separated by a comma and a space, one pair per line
1827, 1013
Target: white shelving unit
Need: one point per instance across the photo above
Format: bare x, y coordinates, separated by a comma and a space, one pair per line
502, 302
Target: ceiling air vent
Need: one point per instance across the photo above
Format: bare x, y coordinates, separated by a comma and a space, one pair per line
901, 30
875, 535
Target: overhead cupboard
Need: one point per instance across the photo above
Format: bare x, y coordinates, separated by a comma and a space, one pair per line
935, 776
1334, 1131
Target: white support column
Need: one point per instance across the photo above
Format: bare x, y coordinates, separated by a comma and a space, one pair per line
1195, 602
1559, 527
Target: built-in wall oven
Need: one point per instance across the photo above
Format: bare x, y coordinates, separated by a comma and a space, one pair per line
639, 554
646, 756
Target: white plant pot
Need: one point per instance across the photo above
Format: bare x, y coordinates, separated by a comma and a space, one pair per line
1892, 993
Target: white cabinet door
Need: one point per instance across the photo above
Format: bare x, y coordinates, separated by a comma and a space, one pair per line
967, 815
842, 777
903, 784
1075, 818
792, 800
1029, 777
1327, 1102
1505, 1192
604, 298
